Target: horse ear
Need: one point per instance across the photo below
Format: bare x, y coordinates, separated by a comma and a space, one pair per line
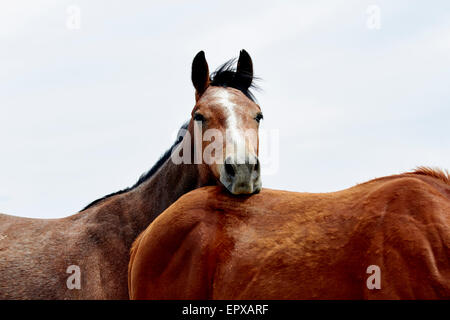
200, 74
245, 68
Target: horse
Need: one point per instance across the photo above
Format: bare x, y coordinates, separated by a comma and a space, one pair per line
85, 255
387, 238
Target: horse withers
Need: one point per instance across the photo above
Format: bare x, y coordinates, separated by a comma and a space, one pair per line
85, 256
388, 238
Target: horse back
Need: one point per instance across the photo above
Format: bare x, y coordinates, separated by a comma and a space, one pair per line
288, 245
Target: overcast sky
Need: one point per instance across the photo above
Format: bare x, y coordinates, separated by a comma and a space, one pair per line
83, 112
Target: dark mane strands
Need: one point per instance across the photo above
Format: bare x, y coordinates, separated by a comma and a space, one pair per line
144, 177
437, 173
226, 76
440, 174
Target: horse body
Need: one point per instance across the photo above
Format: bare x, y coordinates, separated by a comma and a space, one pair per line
35, 253
39, 257
288, 245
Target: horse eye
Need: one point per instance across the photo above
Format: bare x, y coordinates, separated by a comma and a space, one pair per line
199, 117
259, 117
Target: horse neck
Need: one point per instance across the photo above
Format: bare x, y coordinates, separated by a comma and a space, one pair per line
164, 188
137, 208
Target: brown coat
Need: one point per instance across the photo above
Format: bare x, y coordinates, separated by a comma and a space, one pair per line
288, 245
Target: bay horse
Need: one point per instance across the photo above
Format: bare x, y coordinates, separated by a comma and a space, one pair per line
289, 245
85, 256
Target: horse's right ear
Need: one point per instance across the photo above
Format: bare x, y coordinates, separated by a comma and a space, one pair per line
200, 74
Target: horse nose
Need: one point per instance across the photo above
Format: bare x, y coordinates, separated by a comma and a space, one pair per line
241, 177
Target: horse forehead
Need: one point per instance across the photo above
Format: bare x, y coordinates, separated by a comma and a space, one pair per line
230, 103
228, 98
227, 107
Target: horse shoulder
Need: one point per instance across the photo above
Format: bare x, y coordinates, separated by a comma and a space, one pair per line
173, 257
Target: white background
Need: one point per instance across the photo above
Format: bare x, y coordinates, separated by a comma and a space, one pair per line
84, 112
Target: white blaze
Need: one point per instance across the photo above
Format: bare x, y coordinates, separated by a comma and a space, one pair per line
233, 133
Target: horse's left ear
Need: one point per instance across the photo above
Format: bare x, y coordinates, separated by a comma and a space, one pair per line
200, 74
245, 67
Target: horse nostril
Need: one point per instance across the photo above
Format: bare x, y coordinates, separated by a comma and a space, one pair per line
256, 167
229, 169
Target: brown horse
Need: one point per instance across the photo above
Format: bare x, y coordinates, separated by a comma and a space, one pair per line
388, 238
85, 256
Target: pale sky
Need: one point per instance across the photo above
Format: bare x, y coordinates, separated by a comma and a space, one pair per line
84, 112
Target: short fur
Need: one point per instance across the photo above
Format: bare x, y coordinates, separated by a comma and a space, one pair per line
289, 245
35, 253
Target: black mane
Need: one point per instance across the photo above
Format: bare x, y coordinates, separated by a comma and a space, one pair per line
226, 76
144, 177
